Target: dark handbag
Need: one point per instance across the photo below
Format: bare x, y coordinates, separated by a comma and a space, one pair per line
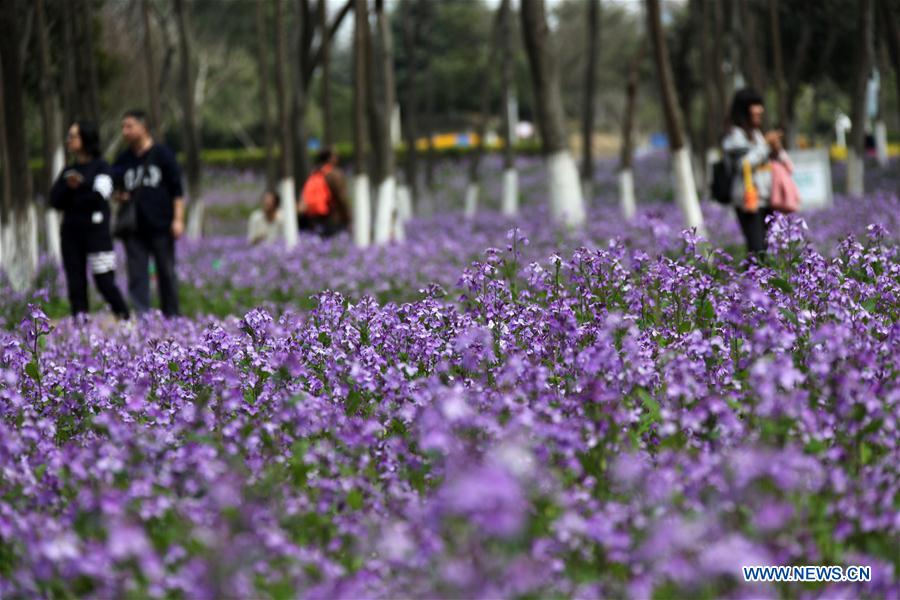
722, 178
124, 220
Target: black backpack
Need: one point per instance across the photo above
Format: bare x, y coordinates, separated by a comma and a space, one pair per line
722, 178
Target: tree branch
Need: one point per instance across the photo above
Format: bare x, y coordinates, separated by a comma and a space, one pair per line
315, 59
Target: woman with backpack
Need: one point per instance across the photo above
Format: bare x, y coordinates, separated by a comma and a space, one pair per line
323, 207
751, 155
82, 193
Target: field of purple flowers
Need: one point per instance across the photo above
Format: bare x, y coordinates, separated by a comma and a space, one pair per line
623, 411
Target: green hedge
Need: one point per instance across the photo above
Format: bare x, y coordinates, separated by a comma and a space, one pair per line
243, 158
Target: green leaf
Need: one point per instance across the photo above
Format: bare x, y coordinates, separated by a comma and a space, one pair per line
32, 370
355, 499
782, 284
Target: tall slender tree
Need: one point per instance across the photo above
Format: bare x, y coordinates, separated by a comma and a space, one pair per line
484, 104
592, 25
777, 59
301, 42
626, 175
262, 60
154, 106
286, 184
750, 61
361, 196
510, 200
409, 22
87, 80
307, 58
711, 122
864, 60
686, 190
325, 36
383, 145
18, 236
889, 18
51, 121
566, 199
792, 87
718, 59
189, 122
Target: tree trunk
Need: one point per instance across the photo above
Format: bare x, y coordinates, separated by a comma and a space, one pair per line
718, 59
327, 119
686, 191
749, 55
567, 202
286, 185
510, 201
5, 190
430, 104
893, 38
383, 144
587, 108
778, 60
86, 65
51, 121
361, 199
263, 66
626, 176
410, 24
191, 139
71, 99
18, 235
150, 74
864, 60
708, 67
304, 30
474, 185
801, 55
684, 77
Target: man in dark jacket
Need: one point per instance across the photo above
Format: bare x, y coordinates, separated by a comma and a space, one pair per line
148, 174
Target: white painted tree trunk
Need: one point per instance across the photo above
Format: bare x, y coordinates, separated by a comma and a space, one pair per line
626, 194
587, 190
510, 192
51, 215
362, 211
686, 190
387, 196
855, 174
288, 211
881, 150
404, 212
471, 206
20, 248
566, 200
195, 219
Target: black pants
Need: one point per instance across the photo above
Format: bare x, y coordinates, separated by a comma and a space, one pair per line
323, 226
753, 225
75, 248
139, 248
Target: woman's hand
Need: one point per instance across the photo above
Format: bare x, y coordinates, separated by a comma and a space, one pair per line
74, 179
773, 138
177, 228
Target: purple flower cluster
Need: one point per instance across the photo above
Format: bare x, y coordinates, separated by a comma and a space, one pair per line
609, 421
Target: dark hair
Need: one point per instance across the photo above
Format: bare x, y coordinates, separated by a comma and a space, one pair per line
324, 155
138, 115
274, 195
740, 107
90, 138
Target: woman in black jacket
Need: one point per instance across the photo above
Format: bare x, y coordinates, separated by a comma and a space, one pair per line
82, 193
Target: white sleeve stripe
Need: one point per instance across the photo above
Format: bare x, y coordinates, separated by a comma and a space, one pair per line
103, 185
